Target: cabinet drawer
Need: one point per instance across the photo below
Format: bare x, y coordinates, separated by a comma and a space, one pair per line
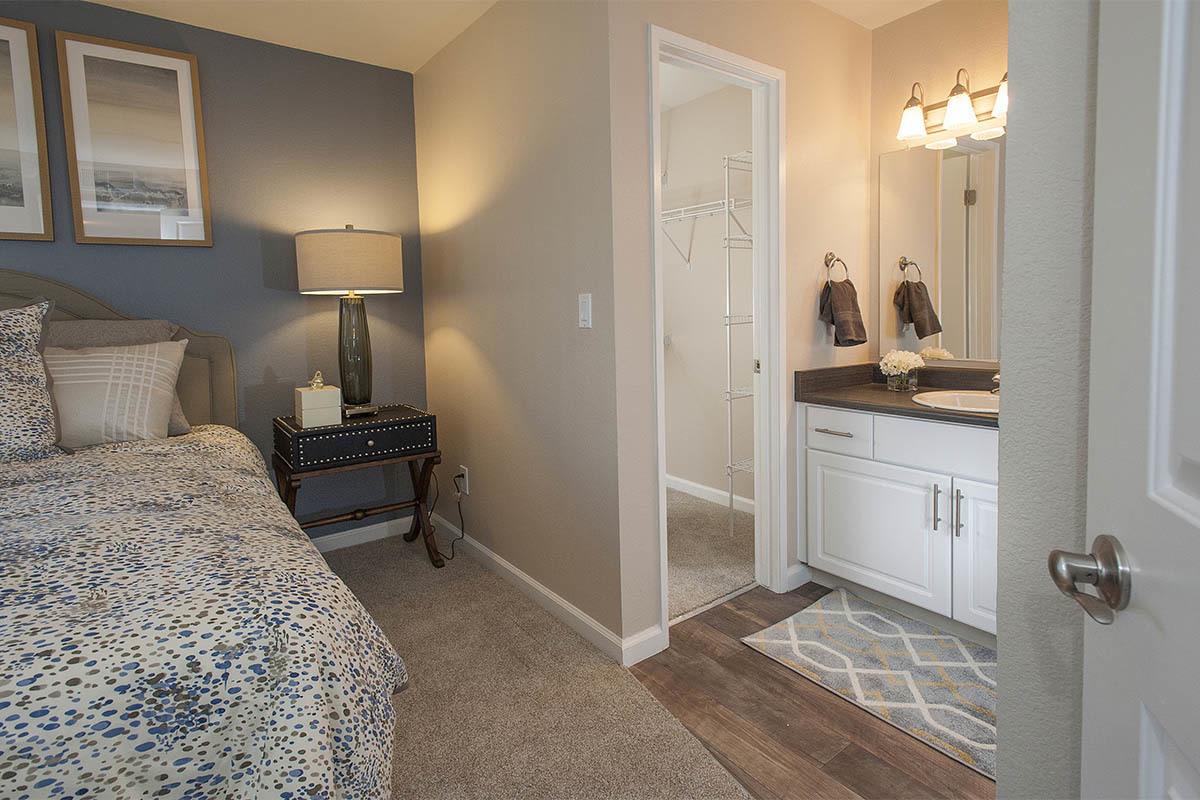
959, 450
394, 432
838, 431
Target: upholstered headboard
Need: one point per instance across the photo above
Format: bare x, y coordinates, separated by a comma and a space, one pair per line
207, 385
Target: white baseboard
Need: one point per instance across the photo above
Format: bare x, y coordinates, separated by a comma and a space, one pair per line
710, 494
797, 575
643, 644
362, 534
626, 651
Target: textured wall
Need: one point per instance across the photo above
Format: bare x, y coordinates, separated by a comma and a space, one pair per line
1045, 340
516, 219
827, 60
294, 140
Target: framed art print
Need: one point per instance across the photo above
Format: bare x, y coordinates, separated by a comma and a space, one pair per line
24, 172
135, 143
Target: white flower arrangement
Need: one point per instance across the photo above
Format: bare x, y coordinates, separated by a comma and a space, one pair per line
900, 362
937, 354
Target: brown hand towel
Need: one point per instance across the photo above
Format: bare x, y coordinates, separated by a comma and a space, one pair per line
839, 307
912, 298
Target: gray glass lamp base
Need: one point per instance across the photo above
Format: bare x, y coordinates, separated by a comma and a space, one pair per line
354, 357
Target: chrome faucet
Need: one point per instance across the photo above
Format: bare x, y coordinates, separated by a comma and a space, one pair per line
996, 381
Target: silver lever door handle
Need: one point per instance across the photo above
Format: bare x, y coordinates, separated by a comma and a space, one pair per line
1106, 568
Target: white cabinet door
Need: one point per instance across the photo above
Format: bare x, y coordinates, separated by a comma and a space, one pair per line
874, 524
975, 515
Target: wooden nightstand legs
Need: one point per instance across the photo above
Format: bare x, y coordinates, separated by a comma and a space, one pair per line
421, 523
420, 471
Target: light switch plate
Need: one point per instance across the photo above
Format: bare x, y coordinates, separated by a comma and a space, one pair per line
585, 310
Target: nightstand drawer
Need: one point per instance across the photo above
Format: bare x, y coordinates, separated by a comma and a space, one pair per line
396, 431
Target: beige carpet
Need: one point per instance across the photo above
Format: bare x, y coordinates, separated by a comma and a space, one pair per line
505, 701
704, 560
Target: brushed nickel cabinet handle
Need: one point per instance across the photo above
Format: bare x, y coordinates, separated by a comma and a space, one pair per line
937, 492
958, 520
845, 434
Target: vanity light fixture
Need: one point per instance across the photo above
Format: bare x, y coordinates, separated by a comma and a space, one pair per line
999, 114
912, 121
942, 144
960, 111
1000, 107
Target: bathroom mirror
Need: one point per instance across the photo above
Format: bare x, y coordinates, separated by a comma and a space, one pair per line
944, 210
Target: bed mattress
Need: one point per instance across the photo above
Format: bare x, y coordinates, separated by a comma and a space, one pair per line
166, 629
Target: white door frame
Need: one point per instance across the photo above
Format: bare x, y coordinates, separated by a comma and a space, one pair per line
771, 396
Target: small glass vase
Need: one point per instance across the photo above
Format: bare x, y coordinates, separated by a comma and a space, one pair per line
903, 383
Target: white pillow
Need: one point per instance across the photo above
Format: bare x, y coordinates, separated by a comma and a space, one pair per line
114, 394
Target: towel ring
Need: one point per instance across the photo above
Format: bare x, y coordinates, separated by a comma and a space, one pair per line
832, 260
905, 263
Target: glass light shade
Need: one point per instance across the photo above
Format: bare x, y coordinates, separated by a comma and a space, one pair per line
960, 112
340, 261
1000, 108
988, 133
942, 144
912, 121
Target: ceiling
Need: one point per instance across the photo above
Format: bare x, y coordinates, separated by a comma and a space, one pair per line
679, 85
872, 14
401, 34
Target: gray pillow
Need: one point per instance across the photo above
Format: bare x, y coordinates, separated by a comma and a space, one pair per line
74, 333
27, 421
114, 394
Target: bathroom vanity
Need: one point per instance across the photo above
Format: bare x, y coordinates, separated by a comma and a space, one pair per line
901, 498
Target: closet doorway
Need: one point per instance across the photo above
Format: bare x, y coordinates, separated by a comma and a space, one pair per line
718, 299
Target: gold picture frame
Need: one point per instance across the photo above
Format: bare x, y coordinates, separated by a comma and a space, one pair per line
135, 143
24, 166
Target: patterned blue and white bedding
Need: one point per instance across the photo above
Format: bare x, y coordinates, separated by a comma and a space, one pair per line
167, 630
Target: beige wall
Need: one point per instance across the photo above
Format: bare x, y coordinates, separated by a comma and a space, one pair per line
927, 46
516, 220
696, 136
827, 60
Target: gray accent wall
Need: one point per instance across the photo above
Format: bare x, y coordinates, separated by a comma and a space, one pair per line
295, 140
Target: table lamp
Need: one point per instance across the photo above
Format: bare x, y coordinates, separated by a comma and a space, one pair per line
351, 263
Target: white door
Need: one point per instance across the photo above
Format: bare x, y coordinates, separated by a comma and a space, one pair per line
975, 525
1141, 693
874, 524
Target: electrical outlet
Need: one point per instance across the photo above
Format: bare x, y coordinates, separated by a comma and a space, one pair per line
465, 483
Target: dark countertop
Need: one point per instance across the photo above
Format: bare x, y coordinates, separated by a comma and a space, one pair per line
877, 398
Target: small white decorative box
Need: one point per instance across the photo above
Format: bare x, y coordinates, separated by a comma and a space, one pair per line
318, 404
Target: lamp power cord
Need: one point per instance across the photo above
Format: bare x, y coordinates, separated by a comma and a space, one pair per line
462, 525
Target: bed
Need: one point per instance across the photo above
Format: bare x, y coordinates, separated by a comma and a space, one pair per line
167, 629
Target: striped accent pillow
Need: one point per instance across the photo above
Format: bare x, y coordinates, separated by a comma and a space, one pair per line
114, 394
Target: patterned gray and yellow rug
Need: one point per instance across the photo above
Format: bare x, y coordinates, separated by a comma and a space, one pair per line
929, 684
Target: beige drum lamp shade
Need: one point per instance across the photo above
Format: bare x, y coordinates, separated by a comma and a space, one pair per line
342, 261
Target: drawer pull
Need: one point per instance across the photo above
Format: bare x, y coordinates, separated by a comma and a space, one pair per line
370, 442
844, 434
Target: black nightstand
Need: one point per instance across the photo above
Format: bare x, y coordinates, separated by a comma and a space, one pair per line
396, 434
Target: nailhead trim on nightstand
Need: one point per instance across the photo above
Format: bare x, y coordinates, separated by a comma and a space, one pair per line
428, 443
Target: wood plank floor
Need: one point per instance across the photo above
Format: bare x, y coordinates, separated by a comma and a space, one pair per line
780, 734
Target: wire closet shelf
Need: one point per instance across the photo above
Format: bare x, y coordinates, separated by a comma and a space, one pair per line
736, 238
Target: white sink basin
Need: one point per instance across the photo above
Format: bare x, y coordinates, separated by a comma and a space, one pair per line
979, 402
